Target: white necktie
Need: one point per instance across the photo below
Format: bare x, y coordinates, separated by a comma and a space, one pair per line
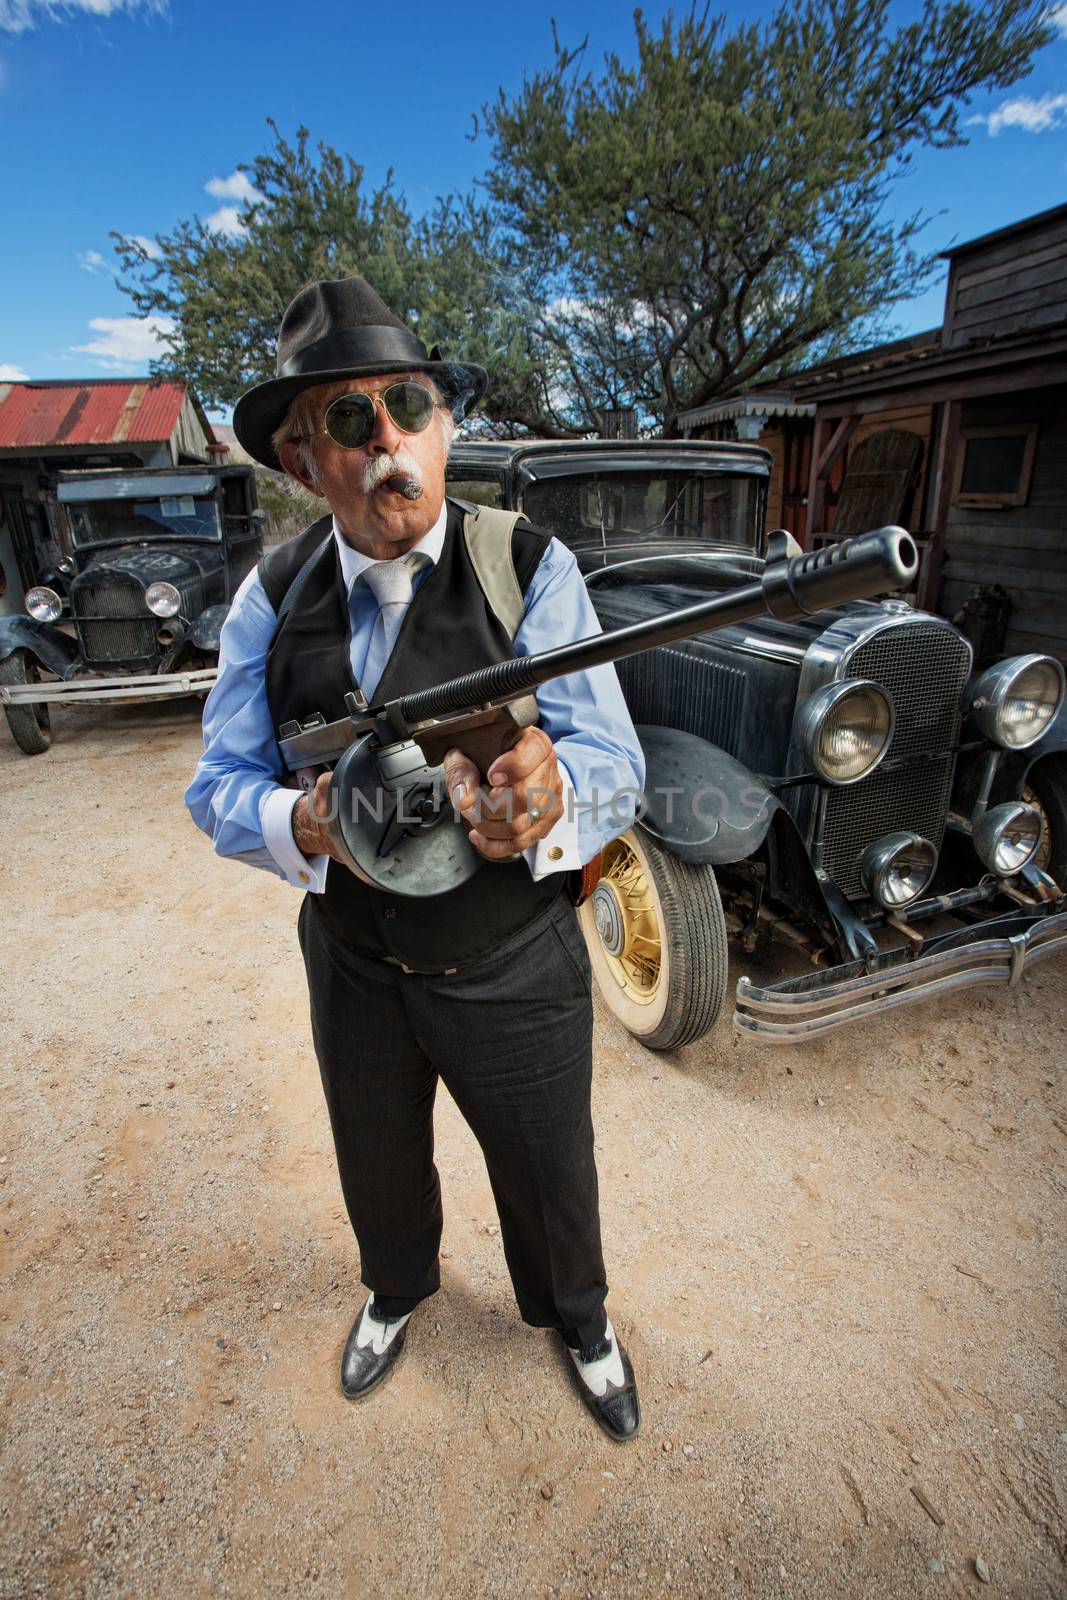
391, 584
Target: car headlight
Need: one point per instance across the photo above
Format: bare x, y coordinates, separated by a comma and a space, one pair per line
846, 728
1016, 700
43, 605
163, 599
1007, 837
895, 870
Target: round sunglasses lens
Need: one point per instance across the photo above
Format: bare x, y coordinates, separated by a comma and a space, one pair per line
349, 421
410, 405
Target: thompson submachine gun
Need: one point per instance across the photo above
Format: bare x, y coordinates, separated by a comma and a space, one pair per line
389, 815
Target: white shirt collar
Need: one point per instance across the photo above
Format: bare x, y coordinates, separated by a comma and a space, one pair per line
353, 562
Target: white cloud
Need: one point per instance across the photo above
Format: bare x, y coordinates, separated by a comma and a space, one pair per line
1058, 18
227, 219
126, 344
20, 16
236, 188
92, 261
149, 246
1026, 112
12, 374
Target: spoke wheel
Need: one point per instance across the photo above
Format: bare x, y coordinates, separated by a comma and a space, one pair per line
31, 726
1046, 788
656, 936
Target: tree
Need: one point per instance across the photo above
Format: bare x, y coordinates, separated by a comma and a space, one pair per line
715, 214
311, 217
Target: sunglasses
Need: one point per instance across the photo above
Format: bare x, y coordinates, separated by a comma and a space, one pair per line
349, 420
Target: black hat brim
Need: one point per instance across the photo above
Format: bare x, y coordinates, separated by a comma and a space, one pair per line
259, 413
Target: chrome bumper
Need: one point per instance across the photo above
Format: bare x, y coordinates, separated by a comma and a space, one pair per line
999, 951
120, 691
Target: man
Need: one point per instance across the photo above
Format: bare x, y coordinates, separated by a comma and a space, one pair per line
487, 985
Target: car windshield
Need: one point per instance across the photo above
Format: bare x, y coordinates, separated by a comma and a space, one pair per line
195, 516
611, 508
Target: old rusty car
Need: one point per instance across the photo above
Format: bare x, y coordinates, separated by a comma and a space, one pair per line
153, 559
846, 782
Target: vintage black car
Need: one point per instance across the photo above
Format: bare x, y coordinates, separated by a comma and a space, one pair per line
153, 560
845, 782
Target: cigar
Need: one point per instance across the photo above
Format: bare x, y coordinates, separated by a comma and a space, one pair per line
405, 486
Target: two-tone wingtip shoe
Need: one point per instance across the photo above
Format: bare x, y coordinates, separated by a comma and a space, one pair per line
606, 1383
371, 1351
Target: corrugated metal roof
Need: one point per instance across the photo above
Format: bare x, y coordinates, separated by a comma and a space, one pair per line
90, 412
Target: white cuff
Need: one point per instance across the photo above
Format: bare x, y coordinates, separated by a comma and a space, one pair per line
558, 850
276, 826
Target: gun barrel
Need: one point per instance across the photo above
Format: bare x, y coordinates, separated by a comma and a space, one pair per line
853, 569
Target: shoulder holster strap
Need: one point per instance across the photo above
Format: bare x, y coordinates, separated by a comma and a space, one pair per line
487, 536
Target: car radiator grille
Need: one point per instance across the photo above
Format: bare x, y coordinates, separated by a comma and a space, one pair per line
684, 689
113, 624
924, 666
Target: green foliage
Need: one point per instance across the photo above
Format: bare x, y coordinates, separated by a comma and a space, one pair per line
654, 236
712, 215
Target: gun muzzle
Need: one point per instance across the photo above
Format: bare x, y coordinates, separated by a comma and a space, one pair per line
851, 569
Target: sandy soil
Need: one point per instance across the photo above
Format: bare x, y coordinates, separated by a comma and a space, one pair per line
838, 1271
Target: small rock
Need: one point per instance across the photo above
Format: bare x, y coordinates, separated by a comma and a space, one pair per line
935, 1565
666, 1447
607, 1474
142, 1216
222, 1343
276, 1306
169, 1084
1019, 1421
688, 1450
546, 1491
819, 1101
915, 1457
981, 1569
227, 1399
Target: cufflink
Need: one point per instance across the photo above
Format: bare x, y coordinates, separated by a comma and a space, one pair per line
304, 877
555, 852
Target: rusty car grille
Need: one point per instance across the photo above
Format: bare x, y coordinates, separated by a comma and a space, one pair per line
113, 623
683, 688
924, 666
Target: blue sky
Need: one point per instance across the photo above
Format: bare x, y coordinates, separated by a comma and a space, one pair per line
132, 114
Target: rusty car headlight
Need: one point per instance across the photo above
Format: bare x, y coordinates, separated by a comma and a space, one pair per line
895, 870
163, 599
1007, 837
845, 729
43, 605
1016, 700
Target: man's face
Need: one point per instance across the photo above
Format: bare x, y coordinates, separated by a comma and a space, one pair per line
376, 517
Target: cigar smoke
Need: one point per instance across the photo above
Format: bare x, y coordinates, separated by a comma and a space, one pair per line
407, 486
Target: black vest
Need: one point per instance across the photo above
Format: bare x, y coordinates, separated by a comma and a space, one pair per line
448, 629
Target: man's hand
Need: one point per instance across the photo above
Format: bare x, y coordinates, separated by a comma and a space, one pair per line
310, 832
524, 802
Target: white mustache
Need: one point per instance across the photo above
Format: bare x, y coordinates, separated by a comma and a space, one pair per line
381, 467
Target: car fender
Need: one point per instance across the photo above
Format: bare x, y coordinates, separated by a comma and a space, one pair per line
56, 651
1015, 765
700, 803
207, 629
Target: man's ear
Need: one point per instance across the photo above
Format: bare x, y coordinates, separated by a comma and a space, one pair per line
290, 457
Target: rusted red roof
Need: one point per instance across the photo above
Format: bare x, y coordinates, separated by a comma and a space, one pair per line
91, 412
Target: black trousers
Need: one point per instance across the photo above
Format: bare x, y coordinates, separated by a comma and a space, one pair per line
511, 1037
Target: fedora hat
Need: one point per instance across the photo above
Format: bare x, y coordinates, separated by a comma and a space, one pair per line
342, 328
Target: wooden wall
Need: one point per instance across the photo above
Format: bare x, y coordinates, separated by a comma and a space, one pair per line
1023, 548
1016, 285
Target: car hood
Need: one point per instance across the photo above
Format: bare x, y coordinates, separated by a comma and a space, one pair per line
145, 564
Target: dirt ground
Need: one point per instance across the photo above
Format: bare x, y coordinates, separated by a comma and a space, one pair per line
839, 1272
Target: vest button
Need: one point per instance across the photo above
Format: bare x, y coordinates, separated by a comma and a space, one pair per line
389, 913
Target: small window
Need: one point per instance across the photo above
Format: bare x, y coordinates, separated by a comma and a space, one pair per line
994, 465
479, 491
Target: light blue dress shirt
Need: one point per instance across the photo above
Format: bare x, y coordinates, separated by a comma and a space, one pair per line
235, 795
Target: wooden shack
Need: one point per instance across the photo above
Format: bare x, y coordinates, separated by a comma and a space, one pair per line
983, 401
